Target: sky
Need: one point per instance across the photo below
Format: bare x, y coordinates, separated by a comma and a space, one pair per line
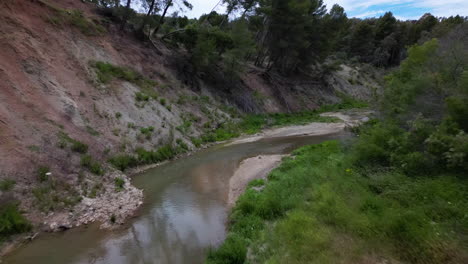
401, 9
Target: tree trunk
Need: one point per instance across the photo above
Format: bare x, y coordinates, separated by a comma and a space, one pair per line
161, 20
127, 13
145, 21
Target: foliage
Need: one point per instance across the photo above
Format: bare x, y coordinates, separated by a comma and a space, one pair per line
123, 161
42, 173
11, 220
76, 146
7, 184
74, 18
119, 184
106, 72
318, 198
93, 166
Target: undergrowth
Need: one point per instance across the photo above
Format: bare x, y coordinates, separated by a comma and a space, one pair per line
318, 207
106, 72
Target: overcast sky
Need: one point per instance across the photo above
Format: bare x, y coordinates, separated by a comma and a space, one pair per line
402, 9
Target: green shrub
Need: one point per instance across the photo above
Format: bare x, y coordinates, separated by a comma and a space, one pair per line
12, 221
141, 97
197, 142
232, 251
94, 167
123, 161
147, 130
42, 173
78, 146
7, 184
119, 184
92, 131
162, 101
257, 183
118, 115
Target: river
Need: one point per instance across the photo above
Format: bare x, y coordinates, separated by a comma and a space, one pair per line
183, 216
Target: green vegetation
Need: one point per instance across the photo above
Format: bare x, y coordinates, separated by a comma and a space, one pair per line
54, 194
106, 72
92, 131
398, 192
7, 184
93, 166
119, 184
251, 124
123, 161
11, 220
75, 18
319, 203
143, 156
141, 97
34, 148
76, 146
42, 173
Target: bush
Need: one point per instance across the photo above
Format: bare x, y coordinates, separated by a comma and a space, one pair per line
123, 161
119, 184
42, 173
6, 184
12, 221
78, 146
232, 251
94, 167
139, 96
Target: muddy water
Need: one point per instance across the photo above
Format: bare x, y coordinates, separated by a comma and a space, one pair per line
184, 213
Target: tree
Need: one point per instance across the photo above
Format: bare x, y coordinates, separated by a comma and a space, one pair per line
166, 4
151, 9
362, 41
294, 33
127, 14
385, 26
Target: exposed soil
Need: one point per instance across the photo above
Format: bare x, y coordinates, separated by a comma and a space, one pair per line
350, 118
250, 169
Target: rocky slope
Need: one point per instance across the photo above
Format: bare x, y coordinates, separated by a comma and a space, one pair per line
54, 101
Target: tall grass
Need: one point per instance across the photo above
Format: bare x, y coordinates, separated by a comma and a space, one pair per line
317, 207
11, 220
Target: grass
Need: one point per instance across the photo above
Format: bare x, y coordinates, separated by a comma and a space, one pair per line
42, 173
251, 124
11, 220
92, 131
119, 184
75, 18
54, 195
76, 146
93, 166
7, 184
318, 208
107, 72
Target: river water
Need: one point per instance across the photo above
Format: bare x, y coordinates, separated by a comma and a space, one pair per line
183, 216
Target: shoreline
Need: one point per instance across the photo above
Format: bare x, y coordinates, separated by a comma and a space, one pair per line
248, 170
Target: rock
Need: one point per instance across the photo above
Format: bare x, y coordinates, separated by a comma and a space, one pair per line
53, 226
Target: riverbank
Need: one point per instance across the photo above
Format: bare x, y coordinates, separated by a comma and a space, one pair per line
256, 168
319, 207
112, 208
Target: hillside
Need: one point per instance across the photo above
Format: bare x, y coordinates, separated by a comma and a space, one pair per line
77, 92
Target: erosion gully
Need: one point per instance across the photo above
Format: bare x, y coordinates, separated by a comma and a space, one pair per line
184, 214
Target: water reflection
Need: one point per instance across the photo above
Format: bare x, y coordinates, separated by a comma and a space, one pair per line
183, 216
